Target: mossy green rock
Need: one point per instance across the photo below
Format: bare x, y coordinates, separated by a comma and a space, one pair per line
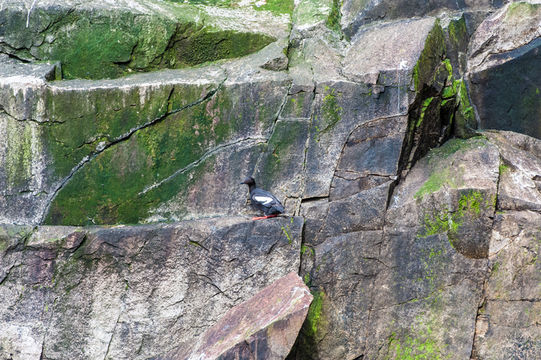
119, 186
100, 40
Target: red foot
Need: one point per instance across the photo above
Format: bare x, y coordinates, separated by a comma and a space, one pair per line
264, 217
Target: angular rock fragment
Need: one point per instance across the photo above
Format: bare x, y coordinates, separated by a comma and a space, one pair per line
261, 328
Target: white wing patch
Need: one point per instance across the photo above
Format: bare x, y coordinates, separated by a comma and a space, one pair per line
263, 199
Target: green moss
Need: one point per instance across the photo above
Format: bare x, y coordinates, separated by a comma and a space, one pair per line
278, 6
330, 111
424, 107
297, 105
18, 162
101, 116
469, 207
306, 279
431, 56
465, 106
114, 180
198, 46
4, 243
502, 168
286, 230
458, 33
314, 323
287, 138
94, 45
417, 345
521, 9
470, 204
333, 20
438, 223
432, 184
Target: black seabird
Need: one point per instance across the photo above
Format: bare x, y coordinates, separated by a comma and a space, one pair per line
263, 200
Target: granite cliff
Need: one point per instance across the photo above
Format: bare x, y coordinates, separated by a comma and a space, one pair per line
402, 136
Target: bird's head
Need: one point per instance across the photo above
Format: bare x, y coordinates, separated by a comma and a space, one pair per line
249, 181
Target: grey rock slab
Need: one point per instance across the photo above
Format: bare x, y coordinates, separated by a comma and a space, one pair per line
121, 292
509, 330
508, 322
392, 48
22, 88
346, 268
453, 190
281, 165
438, 326
339, 108
221, 174
370, 156
520, 171
364, 210
510, 28
514, 248
357, 13
503, 71
263, 327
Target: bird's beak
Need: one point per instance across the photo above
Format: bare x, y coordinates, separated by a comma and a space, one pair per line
242, 183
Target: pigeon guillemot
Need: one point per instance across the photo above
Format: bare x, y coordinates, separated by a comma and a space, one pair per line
263, 200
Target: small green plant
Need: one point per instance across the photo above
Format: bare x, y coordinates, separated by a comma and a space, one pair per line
287, 231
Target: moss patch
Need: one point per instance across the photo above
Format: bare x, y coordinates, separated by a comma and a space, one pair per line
330, 113
333, 20
102, 116
417, 344
465, 116
278, 6
314, 323
521, 9
458, 33
97, 45
469, 207
444, 176
431, 56
114, 180
424, 107
18, 159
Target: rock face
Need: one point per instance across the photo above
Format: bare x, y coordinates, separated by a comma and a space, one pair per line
356, 13
504, 75
416, 233
132, 292
264, 327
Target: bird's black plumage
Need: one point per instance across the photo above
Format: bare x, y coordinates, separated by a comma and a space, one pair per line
263, 200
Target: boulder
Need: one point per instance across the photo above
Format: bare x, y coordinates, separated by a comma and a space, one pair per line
503, 72
263, 327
